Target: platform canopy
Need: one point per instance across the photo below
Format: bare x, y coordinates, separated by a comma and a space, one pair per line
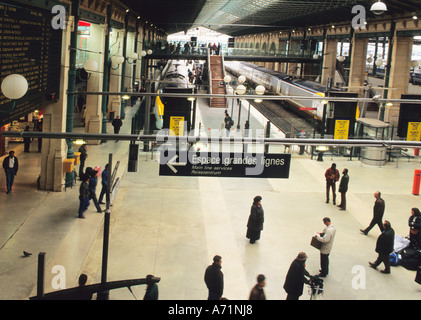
242, 17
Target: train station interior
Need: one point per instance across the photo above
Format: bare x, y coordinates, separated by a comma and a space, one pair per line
196, 108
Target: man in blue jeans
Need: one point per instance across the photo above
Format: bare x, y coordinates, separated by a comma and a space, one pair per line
10, 166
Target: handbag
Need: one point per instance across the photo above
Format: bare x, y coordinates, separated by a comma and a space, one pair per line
315, 243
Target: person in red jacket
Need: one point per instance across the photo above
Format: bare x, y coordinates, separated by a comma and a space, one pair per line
331, 175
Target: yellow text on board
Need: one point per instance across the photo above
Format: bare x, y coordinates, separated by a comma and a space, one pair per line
341, 129
176, 126
414, 131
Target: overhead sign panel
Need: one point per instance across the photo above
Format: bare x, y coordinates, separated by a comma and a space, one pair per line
236, 165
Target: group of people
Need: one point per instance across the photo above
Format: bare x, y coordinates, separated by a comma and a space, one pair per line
195, 76
188, 47
89, 181
296, 276
332, 176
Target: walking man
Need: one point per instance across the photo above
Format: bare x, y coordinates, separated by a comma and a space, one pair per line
296, 277
228, 123
214, 279
384, 247
343, 188
10, 166
331, 175
83, 155
117, 123
257, 293
326, 238
378, 212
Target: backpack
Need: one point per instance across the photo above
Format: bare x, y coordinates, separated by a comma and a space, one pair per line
231, 122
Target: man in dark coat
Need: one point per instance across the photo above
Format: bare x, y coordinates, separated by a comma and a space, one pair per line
343, 188
117, 123
296, 277
255, 221
83, 195
378, 212
10, 166
257, 293
83, 155
384, 247
214, 279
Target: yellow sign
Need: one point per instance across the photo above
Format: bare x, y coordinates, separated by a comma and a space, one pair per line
414, 131
341, 129
176, 126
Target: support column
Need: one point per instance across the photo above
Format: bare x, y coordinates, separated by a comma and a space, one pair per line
400, 64
114, 102
329, 59
71, 87
123, 66
358, 65
105, 81
54, 120
94, 102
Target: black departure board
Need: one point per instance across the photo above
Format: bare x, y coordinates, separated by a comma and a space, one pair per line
29, 46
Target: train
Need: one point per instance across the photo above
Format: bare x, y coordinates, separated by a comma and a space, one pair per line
282, 84
174, 79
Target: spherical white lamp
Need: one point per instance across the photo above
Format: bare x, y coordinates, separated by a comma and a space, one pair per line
14, 86
119, 59
369, 59
316, 56
227, 79
149, 51
143, 53
241, 89
90, 66
379, 62
241, 79
260, 90
341, 58
134, 56
414, 63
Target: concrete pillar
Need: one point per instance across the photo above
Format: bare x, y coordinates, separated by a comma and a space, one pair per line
54, 151
358, 65
114, 102
94, 102
400, 65
329, 59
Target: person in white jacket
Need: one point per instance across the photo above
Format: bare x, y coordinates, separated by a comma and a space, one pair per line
326, 238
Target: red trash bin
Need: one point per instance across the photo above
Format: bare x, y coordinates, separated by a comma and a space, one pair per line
416, 184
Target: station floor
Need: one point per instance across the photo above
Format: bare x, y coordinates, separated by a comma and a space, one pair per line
171, 227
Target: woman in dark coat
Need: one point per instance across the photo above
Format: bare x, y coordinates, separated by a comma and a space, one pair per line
255, 221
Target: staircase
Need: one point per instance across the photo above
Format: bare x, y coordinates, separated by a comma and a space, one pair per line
218, 86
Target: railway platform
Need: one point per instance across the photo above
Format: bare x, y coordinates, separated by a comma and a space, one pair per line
171, 227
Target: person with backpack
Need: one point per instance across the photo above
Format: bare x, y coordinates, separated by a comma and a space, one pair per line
228, 122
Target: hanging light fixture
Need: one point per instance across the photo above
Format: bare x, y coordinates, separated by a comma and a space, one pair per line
378, 8
14, 86
90, 66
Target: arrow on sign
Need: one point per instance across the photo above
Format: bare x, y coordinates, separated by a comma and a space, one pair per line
171, 163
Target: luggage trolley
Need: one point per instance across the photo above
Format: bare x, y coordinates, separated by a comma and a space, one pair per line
315, 287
